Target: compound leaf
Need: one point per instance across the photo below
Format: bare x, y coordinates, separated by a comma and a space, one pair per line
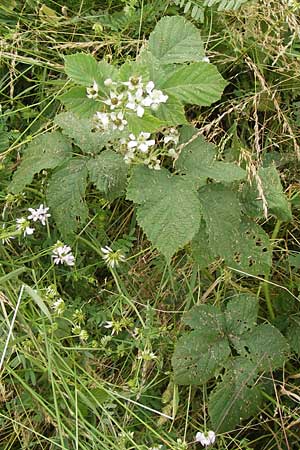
174, 40
109, 173
65, 196
45, 152
198, 84
169, 209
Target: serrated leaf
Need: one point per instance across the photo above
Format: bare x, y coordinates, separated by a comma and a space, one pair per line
45, 152
109, 173
169, 210
65, 196
241, 314
147, 123
205, 317
198, 84
200, 248
235, 398
222, 214
197, 160
199, 355
171, 113
175, 40
84, 70
76, 100
265, 346
80, 130
276, 201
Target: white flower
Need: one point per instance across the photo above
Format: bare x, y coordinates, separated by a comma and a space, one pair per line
6, 238
112, 258
58, 306
41, 214
155, 96
102, 120
135, 102
142, 142
146, 355
23, 225
83, 335
62, 254
129, 156
205, 59
173, 136
93, 91
134, 83
114, 100
118, 121
206, 439
108, 82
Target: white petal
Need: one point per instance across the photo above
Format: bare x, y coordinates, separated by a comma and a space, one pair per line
140, 111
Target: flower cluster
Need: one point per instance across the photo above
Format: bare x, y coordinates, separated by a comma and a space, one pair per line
62, 254
206, 439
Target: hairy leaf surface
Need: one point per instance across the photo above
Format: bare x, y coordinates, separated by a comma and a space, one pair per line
169, 210
45, 152
65, 196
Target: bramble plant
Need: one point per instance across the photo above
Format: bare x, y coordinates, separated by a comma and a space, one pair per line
126, 133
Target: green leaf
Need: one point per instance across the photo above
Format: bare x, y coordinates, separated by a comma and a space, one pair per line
175, 40
266, 347
169, 210
198, 84
80, 130
200, 248
201, 353
47, 151
84, 70
109, 173
147, 123
235, 399
65, 196
241, 314
171, 113
197, 160
293, 333
76, 100
273, 192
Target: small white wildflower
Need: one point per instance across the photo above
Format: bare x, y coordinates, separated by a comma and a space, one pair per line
118, 121
58, 306
112, 258
135, 102
23, 225
129, 156
205, 59
152, 162
62, 254
142, 142
76, 330
134, 83
172, 136
206, 439
93, 91
83, 335
41, 214
6, 238
102, 120
155, 96
114, 100
147, 355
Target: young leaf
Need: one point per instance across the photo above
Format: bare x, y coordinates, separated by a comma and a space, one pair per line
169, 210
235, 398
47, 151
109, 173
174, 40
84, 70
198, 84
80, 130
65, 196
197, 160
